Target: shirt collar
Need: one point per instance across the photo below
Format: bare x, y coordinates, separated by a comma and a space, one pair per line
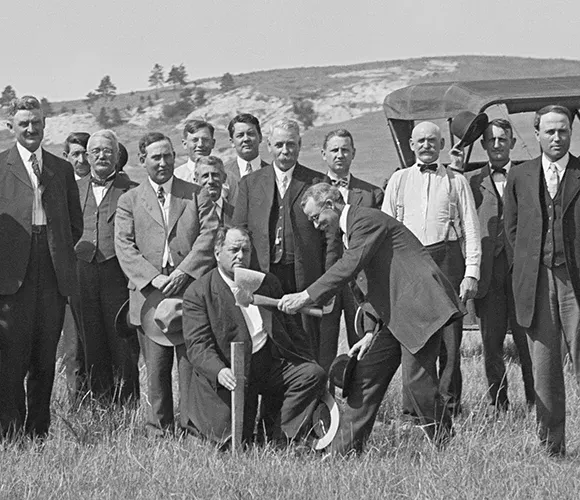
231, 283
507, 167
25, 154
421, 163
219, 203
560, 164
280, 174
342, 219
331, 175
256, 164
166, 187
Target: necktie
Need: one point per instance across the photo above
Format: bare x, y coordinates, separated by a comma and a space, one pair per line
218, 213
161, 195
339, 183
35, 167
552, 181
432, 167
249, 168
98, 182
284, 186
499, 170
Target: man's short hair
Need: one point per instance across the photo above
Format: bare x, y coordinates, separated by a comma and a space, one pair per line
192, 126
27, 102
500, 123
107, 134
339, 132
321, 193
222, 232
212, 161
285, 124
552, 108
244, 118
80, 138
150, 138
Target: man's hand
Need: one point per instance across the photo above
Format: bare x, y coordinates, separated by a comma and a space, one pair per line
160, 281
456, 156
176, 280
291, 303
361, 347
468, 289
226, 378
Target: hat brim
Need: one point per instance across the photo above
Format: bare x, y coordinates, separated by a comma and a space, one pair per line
149, 326
348, 376
341, 372
123, 327
330, 428
474, 131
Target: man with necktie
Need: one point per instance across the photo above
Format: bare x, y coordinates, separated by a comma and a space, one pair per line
338, 152
40, 222
211, 175
110, 361
198, 140
494, 302
245, 137
164, 230
436, 204
542, 224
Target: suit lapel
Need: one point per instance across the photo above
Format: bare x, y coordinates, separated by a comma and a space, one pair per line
84, 185
17, 167
297, 184
268, 183
176, 204
116, 190
488, 184
150, 203
533, 173
572, 183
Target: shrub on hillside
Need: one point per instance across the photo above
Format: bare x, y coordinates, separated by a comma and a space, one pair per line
178, 109
304, 111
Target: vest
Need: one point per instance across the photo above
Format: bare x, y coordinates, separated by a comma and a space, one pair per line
281, 234
552, 235
98, 239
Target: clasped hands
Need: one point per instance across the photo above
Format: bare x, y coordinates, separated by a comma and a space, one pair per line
172, 284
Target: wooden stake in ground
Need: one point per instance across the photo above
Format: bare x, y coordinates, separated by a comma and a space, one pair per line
238, 364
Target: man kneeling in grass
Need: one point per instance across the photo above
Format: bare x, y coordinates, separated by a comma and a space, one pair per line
279, 364
409, 292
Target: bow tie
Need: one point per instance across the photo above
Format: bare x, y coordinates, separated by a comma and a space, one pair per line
339, 183
499, 170
432, 167
99, 182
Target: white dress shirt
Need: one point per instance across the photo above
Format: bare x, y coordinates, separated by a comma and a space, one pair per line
243, 165
342, 225
343, 191
186, 171
499, 179
167, 259
100, 192
38, 213
252, 317
280, 175
426, 210
561, 165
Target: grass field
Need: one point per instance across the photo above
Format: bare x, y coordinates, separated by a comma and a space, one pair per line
96, 454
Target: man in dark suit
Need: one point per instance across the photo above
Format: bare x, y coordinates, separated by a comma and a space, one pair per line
494, 302
413, 298
338, 152
40, 221
542, 223
211, 176
111, 362
245, 137
268, 204
278, 359
164, 230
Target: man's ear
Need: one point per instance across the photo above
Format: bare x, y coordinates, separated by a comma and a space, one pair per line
442, 143
9, 126
142, 158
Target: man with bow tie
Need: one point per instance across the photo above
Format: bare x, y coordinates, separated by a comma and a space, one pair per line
436, 204
110, 361
542, 225
494, 302
338, 151
40, 222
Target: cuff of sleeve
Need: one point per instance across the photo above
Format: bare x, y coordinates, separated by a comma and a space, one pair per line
472, 271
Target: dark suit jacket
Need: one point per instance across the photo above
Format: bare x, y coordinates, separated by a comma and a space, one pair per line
140, 236
523, 226
233, 173
211, 322
227, 213
253, 207
401, 281
64, 220
487, 202
362, 193
121, 184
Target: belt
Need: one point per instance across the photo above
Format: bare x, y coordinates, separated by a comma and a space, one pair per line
38, 229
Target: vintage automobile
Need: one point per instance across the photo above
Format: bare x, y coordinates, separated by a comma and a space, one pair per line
512, 99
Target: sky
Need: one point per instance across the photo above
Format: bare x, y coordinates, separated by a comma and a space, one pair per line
60, 49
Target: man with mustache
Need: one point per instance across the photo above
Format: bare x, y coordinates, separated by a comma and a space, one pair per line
198, 140
40, 222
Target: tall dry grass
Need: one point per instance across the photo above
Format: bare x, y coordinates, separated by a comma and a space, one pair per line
99, 454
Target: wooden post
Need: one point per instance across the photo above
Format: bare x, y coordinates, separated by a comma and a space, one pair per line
238, 367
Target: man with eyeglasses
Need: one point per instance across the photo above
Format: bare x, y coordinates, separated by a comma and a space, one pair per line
413, 299
40, 222
110, 361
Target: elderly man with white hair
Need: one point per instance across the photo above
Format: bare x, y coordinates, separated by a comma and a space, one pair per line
285, 243
436, 204
111, 361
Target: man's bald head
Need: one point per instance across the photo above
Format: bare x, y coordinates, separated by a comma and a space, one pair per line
426, 142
